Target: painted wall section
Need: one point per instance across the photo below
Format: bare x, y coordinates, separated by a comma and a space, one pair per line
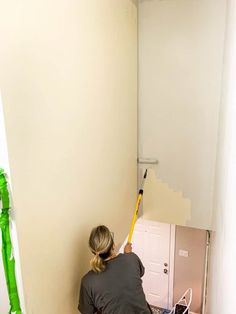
180, 65
69, 87
222, 278
189, 271
161, 203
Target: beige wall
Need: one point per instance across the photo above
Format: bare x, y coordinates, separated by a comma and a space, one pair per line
68, 81
189, 271
161, 203
222, 275
180, 64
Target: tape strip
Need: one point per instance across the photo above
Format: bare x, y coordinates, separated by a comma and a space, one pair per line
8, 258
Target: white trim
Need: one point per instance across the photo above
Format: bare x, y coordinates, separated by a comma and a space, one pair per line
4, 163
171, 266
208, 237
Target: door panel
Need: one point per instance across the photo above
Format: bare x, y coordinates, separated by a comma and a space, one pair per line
151, 242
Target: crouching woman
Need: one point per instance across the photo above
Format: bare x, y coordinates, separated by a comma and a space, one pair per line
114, 284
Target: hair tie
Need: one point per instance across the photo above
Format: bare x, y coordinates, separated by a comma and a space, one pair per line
96, 253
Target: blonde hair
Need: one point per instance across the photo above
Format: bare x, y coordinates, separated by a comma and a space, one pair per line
101, 244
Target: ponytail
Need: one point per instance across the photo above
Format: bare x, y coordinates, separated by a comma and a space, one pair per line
97, 264
101, 244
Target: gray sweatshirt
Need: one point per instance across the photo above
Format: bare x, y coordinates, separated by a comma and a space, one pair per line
117, 290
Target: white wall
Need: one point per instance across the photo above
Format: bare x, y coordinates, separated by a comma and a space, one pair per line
180, 65
222, 280
4, 164
69, 85
4, 301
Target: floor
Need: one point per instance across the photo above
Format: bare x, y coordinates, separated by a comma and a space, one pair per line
157, 310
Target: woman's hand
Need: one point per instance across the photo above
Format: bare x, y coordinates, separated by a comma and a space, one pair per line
128, 248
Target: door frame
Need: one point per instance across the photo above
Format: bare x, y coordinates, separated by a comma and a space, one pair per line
172, 266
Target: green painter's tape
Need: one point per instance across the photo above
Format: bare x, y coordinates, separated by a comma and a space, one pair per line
7, 255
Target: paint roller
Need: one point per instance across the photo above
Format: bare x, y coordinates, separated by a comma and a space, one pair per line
142, 161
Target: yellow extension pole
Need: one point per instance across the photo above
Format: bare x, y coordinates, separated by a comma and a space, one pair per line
135, 216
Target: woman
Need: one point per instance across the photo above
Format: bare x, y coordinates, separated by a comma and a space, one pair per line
113, 285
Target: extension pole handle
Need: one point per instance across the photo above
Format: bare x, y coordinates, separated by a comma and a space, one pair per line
135, 215
140, 195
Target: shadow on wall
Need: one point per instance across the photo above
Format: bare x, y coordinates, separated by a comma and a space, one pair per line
80, 262
135, 2
141, 1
